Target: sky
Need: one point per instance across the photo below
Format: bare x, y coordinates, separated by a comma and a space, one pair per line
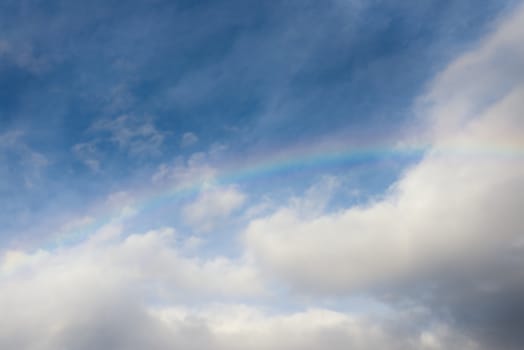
231, 174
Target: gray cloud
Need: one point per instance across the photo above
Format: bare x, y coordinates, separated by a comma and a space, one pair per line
117, 293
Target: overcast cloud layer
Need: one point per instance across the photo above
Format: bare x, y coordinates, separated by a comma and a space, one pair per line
190, 198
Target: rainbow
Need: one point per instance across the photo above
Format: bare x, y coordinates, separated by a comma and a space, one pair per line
288, 162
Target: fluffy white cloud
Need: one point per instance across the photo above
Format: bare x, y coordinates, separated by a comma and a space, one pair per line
477, 79
461, 204
212, 206
129, 294
197, 169
242, 327
448, 233
152, 260
53, 304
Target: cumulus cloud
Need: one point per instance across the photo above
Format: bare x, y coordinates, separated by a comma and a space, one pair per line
55, 301
477, 79
212, 206
449, 208
152, 262
450, 229
130, 293
242, 327
199, 168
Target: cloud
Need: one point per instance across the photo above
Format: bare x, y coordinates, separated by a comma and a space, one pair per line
467, 187
188, 139
88, 297
212, 206
23, 56
199, 168
443, 248
135, 135
20, 160
477, 79
185, 172
151, 262
444, 210
138, 137
130, 294
88, 153
243, 327
449, 232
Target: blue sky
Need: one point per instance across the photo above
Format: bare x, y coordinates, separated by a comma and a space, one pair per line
254, 77
272, 165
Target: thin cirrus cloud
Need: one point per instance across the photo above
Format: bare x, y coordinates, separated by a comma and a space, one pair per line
134, 136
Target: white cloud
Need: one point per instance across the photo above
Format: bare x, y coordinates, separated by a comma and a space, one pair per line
460, 205
212, 206
182, 174
152, 260
139, 293
477, 79
448, 233
89, 299
243, 327
317, 197
197, 169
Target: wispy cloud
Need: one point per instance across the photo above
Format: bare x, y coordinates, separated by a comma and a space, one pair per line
188, 139
18, 157
88, 153
138, 137
135, 135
